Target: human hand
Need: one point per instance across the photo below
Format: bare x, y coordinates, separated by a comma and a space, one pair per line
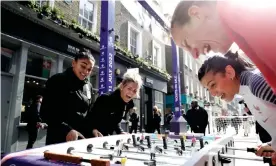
96, 133
262, 148
38, 125
73, 135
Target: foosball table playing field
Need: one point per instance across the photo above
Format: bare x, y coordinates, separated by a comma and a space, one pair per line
134, 150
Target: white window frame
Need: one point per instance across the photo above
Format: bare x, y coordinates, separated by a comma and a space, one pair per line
185, 58
196, 68
198, 89
160, 102
159, 55
191, 62
51, 3
187, 84
201, 91
192, 87
130, 27
94, 22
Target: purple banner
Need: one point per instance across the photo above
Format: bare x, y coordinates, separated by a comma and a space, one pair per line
176, 80
106, 64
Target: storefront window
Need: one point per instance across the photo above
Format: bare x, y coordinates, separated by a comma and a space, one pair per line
67, 63
39, 65
32, 87
38, 70
137, 105
6, 59
159, 102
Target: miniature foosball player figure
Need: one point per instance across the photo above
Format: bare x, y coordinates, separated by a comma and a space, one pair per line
110, 108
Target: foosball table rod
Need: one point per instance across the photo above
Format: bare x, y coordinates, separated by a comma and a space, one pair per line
110, 157
253, 150
159, 151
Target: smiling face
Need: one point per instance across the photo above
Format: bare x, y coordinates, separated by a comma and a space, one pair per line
202, 33
223, 85
82, 67
128, 91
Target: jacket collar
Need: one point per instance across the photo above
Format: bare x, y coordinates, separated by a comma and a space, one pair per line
73, 78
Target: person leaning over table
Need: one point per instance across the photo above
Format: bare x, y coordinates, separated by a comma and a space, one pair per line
67, 99
110, 108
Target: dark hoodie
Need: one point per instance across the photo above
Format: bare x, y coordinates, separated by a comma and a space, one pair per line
107, 113
65, 103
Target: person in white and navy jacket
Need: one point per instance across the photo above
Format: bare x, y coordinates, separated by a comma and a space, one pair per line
228, 75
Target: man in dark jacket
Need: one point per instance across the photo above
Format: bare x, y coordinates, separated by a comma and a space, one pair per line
134, 119
167, 119
197, 118
33, 120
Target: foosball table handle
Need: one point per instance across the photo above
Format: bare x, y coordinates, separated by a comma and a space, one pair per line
62, 157
74, 159
254, 150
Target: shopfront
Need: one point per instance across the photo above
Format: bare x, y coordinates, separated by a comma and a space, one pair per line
30, 54
34, 52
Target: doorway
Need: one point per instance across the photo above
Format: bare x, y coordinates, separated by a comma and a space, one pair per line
148, 99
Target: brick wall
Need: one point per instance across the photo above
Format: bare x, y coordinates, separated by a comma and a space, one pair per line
70, 10
122, 16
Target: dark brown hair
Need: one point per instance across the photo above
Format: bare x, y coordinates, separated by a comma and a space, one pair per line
84, 54
180, 15
218, 64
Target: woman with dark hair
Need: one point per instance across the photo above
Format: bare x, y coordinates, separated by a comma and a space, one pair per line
67, 99
203, 26
109, 109
226, 76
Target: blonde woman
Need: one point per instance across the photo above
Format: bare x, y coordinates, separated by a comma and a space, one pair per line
109, 109
156, 119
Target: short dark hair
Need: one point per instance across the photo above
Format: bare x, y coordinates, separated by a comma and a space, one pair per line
37, 97
218, 64
180, 15
84, 54
194, 101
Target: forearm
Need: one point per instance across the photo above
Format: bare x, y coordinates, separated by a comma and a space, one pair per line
118, 129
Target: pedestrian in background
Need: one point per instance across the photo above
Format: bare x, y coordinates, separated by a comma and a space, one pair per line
156, 119
33, 121
168, 117
134, 119
197, 118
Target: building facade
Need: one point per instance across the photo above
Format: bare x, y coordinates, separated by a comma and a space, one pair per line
191, 88
41, 40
